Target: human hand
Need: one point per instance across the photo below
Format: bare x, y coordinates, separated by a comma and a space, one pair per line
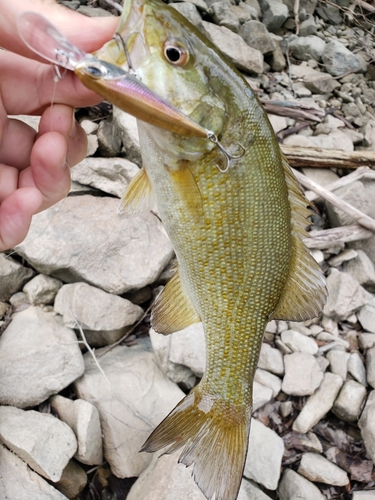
34, 167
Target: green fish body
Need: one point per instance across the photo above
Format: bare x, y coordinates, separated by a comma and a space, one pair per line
236, 227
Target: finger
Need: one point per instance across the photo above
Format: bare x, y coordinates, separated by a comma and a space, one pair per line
16, 141
15, 216
8, 181
48, 171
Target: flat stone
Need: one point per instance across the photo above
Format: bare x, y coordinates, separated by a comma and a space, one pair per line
256, 35
133, 398
349, 402
104, 317
19, 482
89, 248
364, 495
263, 463
45, 443
362, 270
298, 342
72, 481
278, 123
42, 289
269, 380
356, 368
13, 276
366, 316
293, 486
275, 15
338, 59
127, 128
83, 418
317, 468
345, 296
250, 491
336, 139
367, 425
370, 366
323, 176
319, 403
234, 48
39, 357
223, 16
110, 175
307, 47
261, 395
188, 348
191, 12
303, 374
271, 359
355, 194
338, 362
366, 340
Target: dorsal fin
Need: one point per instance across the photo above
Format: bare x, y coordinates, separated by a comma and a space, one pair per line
187, 188
305, 291
138, 197
173, 310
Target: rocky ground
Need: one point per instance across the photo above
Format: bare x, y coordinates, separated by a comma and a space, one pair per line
84, 379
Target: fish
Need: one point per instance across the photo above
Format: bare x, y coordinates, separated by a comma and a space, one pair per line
237, 223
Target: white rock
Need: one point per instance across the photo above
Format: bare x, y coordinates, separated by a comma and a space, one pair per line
83, 418
370, 366
367, 425
104, 317
278, 123
362, 269
72, 481
366, 316
317, 468
138, 398
364, 495
111, 175
12, 276
113, 253
250, 491
269, 380
366, 340
303, 374
319, 403
263, 463
261, 395
298, 342
296, 487
356, 368
42, 289
188, 348
338, 362
322, 176
126, 126
343, 257
349, 402
18, 482
39, 357
271, 359
45, 443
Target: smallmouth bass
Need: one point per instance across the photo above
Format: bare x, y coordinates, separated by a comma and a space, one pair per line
236, 228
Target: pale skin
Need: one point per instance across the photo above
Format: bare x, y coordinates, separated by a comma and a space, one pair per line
34, 166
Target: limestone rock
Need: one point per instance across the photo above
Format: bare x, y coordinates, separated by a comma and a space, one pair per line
275, 15
39, 357
223, 16
349, 402
338, 59
72, 481
250, 491
83, 418
12, 276
234, 48
138, 398
263, 463
364, 495
190, 11
338, 362
367, 425
271, 359
298, 342
19, 482
366, 316
307, 47
317, 468
126, 125
261, 395
111, 175
362, 270
115, 254
370, 366
256, 35
42, 289
269, 380
319, 403
356, 368
45, 443
303, 374
293, 486
104, 317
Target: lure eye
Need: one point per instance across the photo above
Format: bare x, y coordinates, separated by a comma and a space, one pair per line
176, 53
96, 71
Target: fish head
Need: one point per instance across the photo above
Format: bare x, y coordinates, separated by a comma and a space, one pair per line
168, 55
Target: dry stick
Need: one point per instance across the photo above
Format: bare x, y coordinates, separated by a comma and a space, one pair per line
327, 158
362, 219
338, 235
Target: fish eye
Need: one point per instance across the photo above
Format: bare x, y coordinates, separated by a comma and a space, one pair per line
176, 53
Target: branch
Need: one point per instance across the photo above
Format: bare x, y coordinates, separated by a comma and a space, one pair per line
327, 158
335, 236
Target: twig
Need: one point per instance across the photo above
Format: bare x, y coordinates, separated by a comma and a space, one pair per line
362, 219
293, 111
336, 236
115, 5
92, 354
327, 158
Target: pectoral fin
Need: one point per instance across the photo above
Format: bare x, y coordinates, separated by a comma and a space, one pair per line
305, 291
187, 188
138, 197
173, 310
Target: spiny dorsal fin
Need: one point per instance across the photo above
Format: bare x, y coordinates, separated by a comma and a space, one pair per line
305, 291
138, 197
173, 310
213, 435
187, 188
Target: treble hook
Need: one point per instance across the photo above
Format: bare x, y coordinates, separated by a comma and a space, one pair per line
229, 157
120, 42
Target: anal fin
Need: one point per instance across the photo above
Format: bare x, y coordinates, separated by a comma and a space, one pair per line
138, 197
305, 292
173, 310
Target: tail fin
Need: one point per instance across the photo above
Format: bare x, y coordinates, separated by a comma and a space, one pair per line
213, 436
